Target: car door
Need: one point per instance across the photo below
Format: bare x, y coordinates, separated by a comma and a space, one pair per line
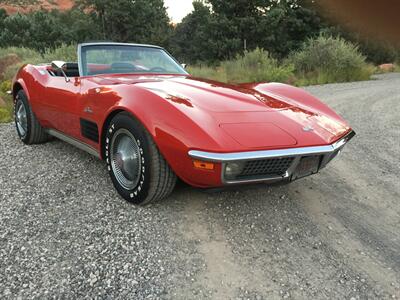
96, 99
62, 105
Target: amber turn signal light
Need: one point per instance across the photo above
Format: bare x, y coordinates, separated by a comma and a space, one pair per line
203, 165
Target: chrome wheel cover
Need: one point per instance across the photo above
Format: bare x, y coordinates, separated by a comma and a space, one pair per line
126, 159
21, 118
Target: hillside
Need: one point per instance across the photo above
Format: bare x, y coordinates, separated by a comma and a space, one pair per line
23, 6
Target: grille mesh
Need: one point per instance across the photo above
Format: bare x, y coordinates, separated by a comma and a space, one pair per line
267, 167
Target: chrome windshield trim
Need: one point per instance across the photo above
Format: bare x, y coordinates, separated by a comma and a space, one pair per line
254, 155
83, 45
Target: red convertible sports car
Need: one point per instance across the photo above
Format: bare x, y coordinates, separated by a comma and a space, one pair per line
136, 107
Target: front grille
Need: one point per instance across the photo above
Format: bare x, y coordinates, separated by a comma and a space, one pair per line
266, 167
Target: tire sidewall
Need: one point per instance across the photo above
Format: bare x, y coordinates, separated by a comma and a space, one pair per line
23, 99
138, 194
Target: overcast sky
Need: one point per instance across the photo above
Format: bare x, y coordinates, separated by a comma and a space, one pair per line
178, 9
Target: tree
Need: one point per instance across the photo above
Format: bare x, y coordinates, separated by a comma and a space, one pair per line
16, 31
190, 42
3, 16
278, 26
205, 37
244, 17
140, 21
78, 26
286, 26
43, 29
233, 26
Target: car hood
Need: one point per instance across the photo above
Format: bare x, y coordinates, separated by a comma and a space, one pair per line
252, 117
208, 95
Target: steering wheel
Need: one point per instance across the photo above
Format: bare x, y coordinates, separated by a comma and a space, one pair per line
124, 66
158, 69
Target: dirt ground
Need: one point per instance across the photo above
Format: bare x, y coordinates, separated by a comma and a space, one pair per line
65, 233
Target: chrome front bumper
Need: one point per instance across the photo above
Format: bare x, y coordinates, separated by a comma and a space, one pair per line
324, 153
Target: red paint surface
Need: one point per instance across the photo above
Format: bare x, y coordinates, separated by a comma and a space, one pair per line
183, 113
259, 135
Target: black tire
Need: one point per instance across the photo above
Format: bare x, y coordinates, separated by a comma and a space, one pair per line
152, 178
33, 133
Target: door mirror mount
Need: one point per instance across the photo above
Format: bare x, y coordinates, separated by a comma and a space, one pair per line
58, 65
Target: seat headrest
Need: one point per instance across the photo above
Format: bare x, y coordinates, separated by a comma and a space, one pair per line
70, 66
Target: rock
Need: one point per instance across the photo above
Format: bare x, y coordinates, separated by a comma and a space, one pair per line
387, 67
93, 279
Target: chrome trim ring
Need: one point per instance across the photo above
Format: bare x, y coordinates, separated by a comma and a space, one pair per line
126, 159
21, 118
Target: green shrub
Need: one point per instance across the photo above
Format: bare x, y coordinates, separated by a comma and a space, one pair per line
12, 70
256, 66
24, 54
5, 86
5, 114
29, 56
212, 73
328, 59
253, 66
65, 53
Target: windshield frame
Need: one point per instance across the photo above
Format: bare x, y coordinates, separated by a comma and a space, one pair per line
107, 44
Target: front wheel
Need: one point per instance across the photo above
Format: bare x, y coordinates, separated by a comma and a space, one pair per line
136, 167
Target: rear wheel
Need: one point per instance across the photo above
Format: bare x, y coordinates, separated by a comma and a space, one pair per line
136, 167
28, 128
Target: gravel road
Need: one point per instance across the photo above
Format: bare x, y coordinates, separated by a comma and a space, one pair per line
65, 233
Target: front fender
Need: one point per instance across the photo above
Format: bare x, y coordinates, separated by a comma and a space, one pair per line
175, 127
297, 96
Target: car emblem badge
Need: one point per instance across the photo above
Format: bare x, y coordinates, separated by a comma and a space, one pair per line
88, 110
308, 129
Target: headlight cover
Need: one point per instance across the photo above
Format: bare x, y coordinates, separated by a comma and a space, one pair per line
233, 169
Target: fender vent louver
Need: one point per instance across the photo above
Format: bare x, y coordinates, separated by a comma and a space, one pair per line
90, 130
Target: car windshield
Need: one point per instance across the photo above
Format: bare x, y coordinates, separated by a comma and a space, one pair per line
127, 59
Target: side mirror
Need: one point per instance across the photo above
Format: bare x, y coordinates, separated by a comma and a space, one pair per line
58, 65
184, 66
